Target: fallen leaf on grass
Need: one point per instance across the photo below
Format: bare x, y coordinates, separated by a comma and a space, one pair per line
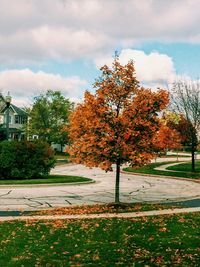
113, 242
120, 250
19, 258
77, 256
96, 257
176, 259
157, 259
151, 238
65, 252
181, 220
163, 229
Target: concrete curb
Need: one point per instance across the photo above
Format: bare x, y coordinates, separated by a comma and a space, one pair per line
127, 215
44, 185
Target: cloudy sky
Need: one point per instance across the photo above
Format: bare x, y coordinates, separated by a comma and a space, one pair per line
60, 44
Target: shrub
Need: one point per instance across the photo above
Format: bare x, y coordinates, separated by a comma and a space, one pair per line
25, 160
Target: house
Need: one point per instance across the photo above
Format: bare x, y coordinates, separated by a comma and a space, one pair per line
13, 130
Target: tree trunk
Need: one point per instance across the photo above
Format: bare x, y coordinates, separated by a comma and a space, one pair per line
193, 157
117, 181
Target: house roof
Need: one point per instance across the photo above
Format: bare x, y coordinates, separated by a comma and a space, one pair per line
19, 111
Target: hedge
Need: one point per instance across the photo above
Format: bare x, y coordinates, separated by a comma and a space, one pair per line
25, 160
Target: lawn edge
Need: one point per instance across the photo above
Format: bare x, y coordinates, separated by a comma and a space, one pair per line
161, 176
48, 184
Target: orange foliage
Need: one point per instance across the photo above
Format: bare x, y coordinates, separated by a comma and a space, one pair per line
185, 129
118, 122
167, 138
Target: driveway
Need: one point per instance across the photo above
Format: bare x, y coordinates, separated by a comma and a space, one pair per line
133, 188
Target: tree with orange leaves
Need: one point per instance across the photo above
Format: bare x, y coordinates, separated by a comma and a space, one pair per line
167, 138
116, 125
185, 129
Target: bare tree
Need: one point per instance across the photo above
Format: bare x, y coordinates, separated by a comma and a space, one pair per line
185, 100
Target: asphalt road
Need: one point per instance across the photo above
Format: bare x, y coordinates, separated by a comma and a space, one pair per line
132, 189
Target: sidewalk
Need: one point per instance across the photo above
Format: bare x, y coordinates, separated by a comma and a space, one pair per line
127, 215
165, 166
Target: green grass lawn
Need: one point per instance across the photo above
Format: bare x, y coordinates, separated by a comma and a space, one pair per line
148, 241
149, 169
186, 167
62, 161
48, 180
61, 158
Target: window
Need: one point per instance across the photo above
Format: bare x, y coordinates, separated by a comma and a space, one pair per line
17, 119
20, 119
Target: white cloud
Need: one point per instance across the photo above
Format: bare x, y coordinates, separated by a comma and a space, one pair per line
154, 68
44, 43
35, 30
24, 84
65, 43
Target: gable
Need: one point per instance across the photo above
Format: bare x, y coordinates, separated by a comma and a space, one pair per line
16, 110
2, 102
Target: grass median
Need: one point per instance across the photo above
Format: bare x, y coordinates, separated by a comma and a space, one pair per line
150, 169
49, 179
186, 167
171, 240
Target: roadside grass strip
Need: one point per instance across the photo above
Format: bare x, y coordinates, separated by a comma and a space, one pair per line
47, 180
151, 169
170, 240
105, 208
